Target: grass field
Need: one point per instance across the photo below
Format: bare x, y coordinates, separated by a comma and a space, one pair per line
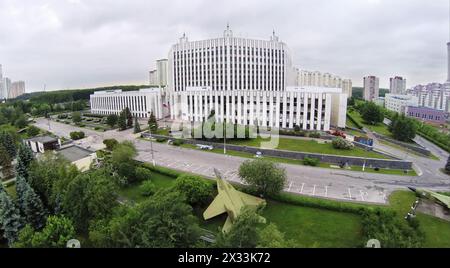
308, 227
379, 128
437, 231
309, 146
299, 162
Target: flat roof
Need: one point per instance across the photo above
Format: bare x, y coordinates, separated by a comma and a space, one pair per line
74, 153
43, 139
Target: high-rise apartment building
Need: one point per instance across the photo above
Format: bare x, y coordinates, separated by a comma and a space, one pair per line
397, 85
371, 88
17, 89
308, 78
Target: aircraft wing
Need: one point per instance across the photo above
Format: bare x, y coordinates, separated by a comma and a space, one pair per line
250, 200
445, 200
216, 208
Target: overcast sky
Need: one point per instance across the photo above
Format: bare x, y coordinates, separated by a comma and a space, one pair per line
86, 43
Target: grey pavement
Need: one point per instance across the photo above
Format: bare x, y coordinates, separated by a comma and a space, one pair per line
310, 181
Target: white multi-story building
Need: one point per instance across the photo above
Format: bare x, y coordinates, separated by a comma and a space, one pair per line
17, 89
371, 88
397, 85
6, 87
244, 81
318, 79
158, 77
153, 78
141, 103
434, 95
399, 103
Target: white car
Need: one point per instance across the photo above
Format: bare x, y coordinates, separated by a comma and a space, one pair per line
258, 155
204, 147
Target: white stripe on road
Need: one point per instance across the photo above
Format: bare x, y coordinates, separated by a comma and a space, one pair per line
303, 185
349, 193
326, 191
362, 195
314, 190
290, 185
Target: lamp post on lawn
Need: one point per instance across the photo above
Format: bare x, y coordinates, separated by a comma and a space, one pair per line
151, 143
224, 137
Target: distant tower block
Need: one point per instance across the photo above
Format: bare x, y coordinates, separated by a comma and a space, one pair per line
448, 62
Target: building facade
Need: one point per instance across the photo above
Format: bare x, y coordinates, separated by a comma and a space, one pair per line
17, 89
397, 85
245, 81
434, 95
318, 79
153, 78
371, 88
400, 103
6, 87
141, 103
428, 114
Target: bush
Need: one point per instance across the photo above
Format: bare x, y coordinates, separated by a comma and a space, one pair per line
33, 131
147, 188
314, 135
110, 144
143, 174
177, 142
342, 144
196, 190
160, 140
77, 135
313, 162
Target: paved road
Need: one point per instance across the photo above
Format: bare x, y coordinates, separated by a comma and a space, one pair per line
329, 183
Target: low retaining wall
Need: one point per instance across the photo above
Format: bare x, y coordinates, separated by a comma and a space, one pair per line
416, 148
332, 159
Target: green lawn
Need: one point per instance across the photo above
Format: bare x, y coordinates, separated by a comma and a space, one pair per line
379, 128
132, 192
437, 231
309, 146
310, 227
11, 190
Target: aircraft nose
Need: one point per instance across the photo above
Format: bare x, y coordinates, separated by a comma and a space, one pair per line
412, 189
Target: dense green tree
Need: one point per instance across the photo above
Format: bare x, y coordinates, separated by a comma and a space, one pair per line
10, 220
263, 177
143, 174
403, 128
243, 233
196, 190
30, 204
89, 196
152, 123
76, 117
33, 131
271, 237
122, 160
21, 122
24, 159
372, 113
111, 120
5, 163
137, 127
77, 135
56, 233
163, 220
110, 143
8, 142
122, 121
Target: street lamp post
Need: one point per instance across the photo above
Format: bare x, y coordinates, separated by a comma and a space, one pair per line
151, 144
224, 137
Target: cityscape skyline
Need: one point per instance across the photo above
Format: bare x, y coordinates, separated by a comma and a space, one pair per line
411, 47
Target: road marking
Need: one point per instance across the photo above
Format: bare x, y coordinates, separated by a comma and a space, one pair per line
362, 195
290, 185
349, 193
314, 190
303, 185
326, 191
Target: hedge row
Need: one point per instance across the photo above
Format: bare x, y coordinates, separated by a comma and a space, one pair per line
438, 143
354, 121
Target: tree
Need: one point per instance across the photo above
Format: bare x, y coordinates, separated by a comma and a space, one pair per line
342, 144
122, 160
111, 120
122, 121
263, 177
372, 113
163, 220
10, 220
447, 166
137, 128
110, 144
403, 128
30, 204
5, 163
24, 159
56, 233
271, 237
196, 190
89, 196
77, 135
21, 122
243, 233
33, 131
152, 123
76, 117
9, 143
129, 117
